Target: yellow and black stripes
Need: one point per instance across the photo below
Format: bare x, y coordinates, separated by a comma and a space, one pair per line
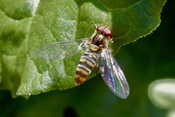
87, 62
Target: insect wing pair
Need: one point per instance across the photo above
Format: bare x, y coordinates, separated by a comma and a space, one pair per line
109, 68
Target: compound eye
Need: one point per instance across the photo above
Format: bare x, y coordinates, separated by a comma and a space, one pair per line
100, 28
108, 32
105, 30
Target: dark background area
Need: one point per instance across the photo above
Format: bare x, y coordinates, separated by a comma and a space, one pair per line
144, 61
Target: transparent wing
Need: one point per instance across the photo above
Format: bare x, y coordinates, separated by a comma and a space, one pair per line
113, 75
61, 49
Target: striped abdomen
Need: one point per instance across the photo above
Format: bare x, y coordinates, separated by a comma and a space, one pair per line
87, 62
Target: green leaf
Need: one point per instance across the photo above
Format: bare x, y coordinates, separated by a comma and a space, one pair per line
162, 93
25, 25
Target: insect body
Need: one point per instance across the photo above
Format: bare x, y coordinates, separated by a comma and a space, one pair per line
96, 44
97, 53
87, 62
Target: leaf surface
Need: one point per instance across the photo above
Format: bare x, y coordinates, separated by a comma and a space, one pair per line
25, 25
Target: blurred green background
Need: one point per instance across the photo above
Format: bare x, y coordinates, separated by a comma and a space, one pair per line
143, 62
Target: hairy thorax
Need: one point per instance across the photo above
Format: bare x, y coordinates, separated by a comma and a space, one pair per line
98, 42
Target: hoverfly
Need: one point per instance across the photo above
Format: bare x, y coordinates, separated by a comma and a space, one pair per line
97, 52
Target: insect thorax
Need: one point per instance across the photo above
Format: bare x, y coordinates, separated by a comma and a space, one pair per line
98, 42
